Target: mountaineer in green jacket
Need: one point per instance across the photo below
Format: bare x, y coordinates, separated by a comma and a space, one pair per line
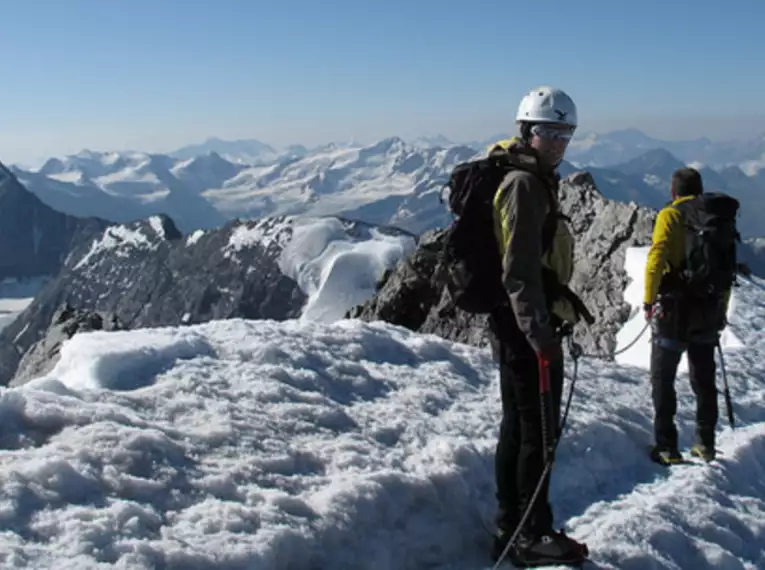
536, 249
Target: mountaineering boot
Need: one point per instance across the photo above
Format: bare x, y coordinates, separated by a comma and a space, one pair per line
705, 452
666, 455
547, 549
500, 542
507, 522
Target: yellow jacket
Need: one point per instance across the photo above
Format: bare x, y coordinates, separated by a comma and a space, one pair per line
667, 249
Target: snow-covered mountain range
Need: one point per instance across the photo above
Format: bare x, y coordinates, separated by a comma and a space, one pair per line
608, 149
389, 182
587, 149
243, 151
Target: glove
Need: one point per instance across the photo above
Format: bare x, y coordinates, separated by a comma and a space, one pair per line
550, 353
576, 350
648, 310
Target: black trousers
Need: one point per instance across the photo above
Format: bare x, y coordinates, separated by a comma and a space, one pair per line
665, 357
519, 459
680, 326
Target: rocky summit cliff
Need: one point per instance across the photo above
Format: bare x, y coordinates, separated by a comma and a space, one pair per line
34, 238
148, 274
411, 296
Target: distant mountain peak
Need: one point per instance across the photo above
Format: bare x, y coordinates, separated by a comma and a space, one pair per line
88, 154
652, 161
438, 141
241, 150
52, 166
210, 158
657, 154
387, 144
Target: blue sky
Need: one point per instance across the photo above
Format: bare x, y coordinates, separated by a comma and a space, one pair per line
156, 74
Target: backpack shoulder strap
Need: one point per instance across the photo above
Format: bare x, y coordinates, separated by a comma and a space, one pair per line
686, 211
550, 225
691, 210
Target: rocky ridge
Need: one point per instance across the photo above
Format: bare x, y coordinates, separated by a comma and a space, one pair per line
410, 295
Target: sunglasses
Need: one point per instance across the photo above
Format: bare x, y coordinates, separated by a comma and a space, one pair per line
553, 133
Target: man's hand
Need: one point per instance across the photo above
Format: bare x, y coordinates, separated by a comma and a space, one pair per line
648, 312
551, 353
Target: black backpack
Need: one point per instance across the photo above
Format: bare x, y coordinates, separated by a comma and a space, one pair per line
471, 259
710, 261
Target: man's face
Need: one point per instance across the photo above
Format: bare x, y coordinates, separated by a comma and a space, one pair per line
551, 141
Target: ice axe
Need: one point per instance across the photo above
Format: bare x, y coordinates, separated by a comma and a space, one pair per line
726, 391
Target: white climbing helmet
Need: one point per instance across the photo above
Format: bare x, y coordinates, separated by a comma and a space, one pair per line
547, 105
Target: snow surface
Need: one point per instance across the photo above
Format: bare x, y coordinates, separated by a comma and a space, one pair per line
194, 237
335, 271
73, 177
156, 224
303, 445
120, 240
133, 181
264, 232
332, 265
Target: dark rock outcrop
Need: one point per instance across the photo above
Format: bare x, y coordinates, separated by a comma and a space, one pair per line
34, 238
604, 230
67, 321
148, 274
411, 296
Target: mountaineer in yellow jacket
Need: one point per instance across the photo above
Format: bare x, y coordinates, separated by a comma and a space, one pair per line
536, 249
679, 324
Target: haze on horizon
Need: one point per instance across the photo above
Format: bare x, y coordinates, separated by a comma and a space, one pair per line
158, 76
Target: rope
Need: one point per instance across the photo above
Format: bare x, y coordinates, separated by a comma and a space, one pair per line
621, 350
